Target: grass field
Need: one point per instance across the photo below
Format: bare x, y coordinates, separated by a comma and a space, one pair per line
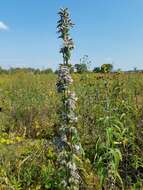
110, 125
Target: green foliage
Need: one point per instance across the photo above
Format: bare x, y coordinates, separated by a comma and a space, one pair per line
106, 68
31, 166
81, 68
97, 70
84, 65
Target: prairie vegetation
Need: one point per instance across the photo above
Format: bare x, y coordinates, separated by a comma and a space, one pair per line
109, 124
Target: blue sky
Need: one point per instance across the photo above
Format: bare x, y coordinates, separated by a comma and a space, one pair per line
106, 30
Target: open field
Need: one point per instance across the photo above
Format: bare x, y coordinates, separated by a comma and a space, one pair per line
110, 125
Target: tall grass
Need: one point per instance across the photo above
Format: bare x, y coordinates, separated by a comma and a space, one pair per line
109, 125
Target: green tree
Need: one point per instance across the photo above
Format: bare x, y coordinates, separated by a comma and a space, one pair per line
97, 70
106, 68
81, 68
84, 64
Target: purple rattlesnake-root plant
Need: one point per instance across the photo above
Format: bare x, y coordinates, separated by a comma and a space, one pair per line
68, 145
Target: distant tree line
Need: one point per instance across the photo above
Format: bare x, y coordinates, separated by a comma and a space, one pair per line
26, 70
77, 68
82, 67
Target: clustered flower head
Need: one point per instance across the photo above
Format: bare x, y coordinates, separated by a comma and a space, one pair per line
69, 140
69, 114
71, 179
64, 79
71, 101
74, 144
64, 25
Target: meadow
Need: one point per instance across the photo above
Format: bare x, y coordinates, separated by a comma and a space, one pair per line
110, 126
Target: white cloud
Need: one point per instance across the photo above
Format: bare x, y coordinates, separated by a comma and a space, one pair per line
3, 26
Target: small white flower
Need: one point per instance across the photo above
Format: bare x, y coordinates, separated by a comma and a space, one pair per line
77, 147
64, 183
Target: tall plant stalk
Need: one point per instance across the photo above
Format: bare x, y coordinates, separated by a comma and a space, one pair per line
69, 143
